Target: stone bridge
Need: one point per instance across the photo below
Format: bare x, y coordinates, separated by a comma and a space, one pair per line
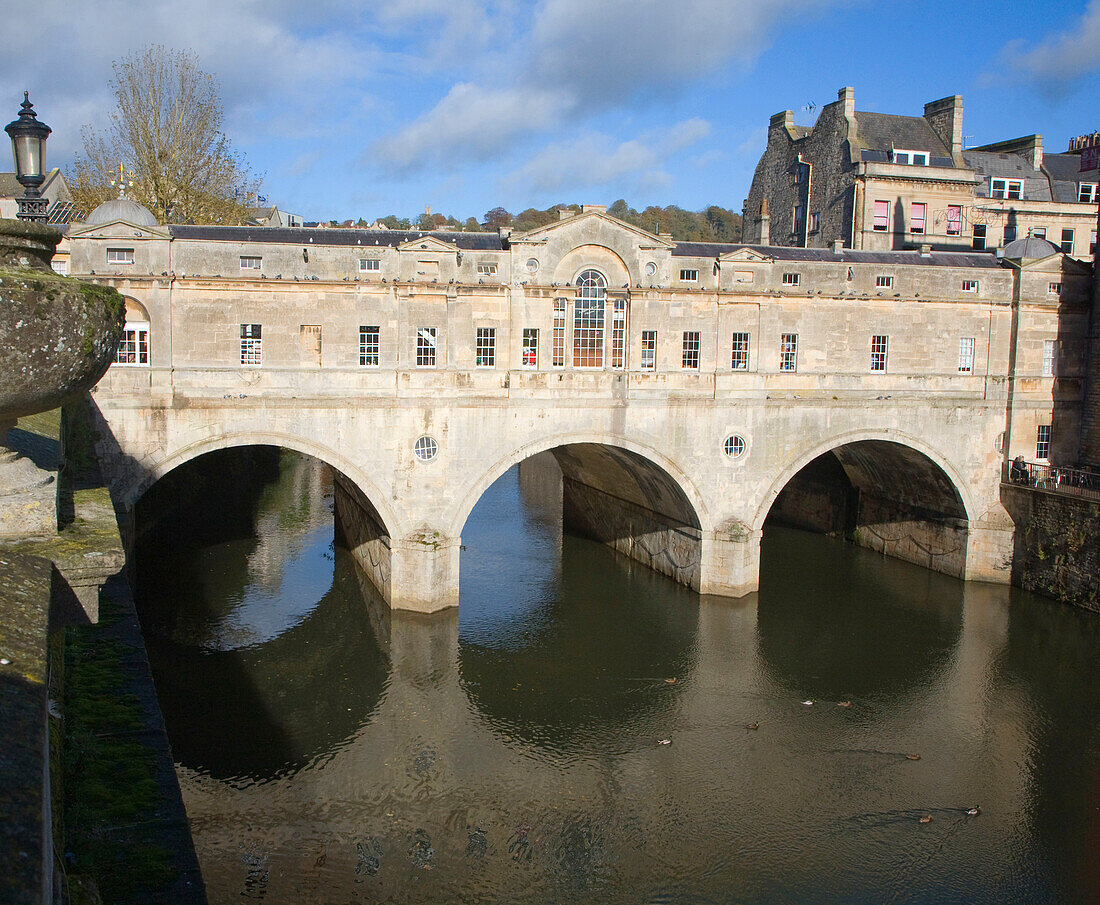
687, 391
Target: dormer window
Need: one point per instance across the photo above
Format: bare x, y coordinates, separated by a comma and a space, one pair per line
1087, 192
1008, 189
912, 158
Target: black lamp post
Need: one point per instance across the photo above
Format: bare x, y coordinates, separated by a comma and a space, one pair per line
28, 145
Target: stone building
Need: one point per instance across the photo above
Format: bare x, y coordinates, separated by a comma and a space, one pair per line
879, 181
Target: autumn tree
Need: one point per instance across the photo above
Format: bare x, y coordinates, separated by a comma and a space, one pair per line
166, 131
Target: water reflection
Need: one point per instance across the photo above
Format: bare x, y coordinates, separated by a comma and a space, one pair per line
512, 753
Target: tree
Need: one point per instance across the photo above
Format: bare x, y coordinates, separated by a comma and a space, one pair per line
497, 218
166, 129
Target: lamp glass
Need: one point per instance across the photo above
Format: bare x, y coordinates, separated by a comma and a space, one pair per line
27, 150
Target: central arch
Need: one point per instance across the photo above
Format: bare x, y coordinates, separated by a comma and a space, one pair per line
620, 492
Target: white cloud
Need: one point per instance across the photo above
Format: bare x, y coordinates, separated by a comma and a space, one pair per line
1060, 58
596, 159
581, 58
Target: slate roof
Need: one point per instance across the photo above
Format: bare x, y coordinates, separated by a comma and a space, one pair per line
1008, 165
883, 131
1065, 174
978, 259
366, 238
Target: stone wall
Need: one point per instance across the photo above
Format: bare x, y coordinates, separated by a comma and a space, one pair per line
1090, 410
360, 530
666, 546
1057, 549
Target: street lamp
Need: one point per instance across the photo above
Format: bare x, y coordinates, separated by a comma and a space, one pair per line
28, 145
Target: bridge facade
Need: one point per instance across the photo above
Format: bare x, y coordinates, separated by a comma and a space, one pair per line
688, 391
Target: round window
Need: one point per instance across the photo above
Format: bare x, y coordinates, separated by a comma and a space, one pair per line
532, 265
734, 446
425, 449
650, 269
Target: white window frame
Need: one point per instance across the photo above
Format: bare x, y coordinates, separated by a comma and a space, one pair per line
689, 275
970, 286
1049, 352
1006, 189
120, 256
618, 333
425, 347
788, 352
486, 269
485, 349
529, 356
914, 219
1086, 192
60, 265
880, 223
251, 262
1054, 288
884, 281
1072, 233
690, 360
557, 339
370, 265
648, 361
979, 236
739, 352
133, 347
911, 158
369, 346
252, 345
815, 221
589, 315
1042, 442
880, 349
791, 279
954, 219
966, 355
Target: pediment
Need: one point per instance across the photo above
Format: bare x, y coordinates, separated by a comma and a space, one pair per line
428, 244
745, 256
117, 229
578, 228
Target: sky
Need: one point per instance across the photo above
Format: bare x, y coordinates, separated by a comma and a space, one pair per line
350, 109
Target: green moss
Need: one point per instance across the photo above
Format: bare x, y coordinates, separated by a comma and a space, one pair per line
108, 774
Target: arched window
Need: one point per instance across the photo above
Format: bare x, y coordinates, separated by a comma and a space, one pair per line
588, 320
133, 348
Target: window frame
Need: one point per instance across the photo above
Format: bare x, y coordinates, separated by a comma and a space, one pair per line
1043, 436
485, 347
966, 354
648, 358
138, 351
979, 236
558, 330
690, 360
954, 219
370, 349
880, 222
1091, 194
589, 320
914, 219
252, 346
529, 351
1050, 354
486, 268
970, 285
791, 278
689, 275
370, 265
880, 350
788, 352
249, 258
1072, 236
1003, 188
120, 256
739, 351
884, 281
427, 339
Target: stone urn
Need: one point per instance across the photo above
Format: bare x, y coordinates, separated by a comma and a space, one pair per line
57, 338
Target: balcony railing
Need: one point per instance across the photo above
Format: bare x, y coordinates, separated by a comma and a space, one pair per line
1052, 478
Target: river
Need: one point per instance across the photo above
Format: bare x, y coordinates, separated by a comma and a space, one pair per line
584, 730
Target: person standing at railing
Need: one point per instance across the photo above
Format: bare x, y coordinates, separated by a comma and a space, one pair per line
1018, 473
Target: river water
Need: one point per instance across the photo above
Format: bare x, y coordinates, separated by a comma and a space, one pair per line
584, 730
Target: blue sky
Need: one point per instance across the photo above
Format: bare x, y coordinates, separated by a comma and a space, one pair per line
355, 109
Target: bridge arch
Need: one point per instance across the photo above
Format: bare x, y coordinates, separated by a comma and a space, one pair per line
884, 489
700, 516
153, 472
620, 492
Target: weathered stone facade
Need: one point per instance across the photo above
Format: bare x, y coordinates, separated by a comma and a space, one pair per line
879, 181
692, 384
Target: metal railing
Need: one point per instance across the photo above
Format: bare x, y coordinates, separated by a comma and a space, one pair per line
1053, 478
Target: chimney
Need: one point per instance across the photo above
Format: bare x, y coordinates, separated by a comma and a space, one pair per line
564, 213
838, 246
763, 224
1032, 150
847, 97
784, 120
593, 208
945, 116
